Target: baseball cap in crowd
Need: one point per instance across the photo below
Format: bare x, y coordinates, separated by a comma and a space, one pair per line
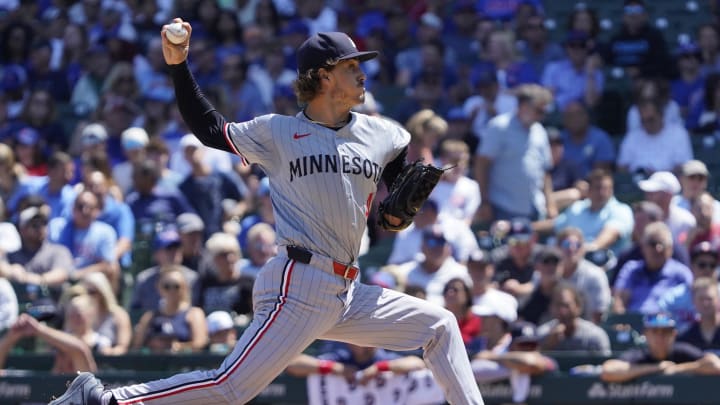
502, 308
634, 7
659, 320
479, 256
434, 238
93, 134
219, 321
575, 38
660, 181
688, 49
524, 332
189, 140
703, 248
166, 238
548, 254
431, 20
520, 229
694, 167
27, 136
483, 75
324, 46
189, 222
30, 213
134, 138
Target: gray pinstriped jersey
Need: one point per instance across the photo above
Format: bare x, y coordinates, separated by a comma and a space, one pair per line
322, 181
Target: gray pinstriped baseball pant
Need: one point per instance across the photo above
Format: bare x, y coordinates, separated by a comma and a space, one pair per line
297, 303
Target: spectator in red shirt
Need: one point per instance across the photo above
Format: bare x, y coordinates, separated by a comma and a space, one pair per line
458, 300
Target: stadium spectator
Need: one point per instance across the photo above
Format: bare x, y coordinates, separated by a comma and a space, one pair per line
437, 267
584, 19
678, 302
535, 44
690, 79
512, 353
426, 129
605, 222
134, 140
112, 320
513, 161
14, 185
547, 263
55, 189
158, 152
589, 279
115, 213
225, 287
80, 317
585, 144
90, 241
708, 39
41, 113
151, 204
706, 229
568, 330
578, 75
39, 262
641, 283
656, 90
638, 47
501, 55
191, 227
694, 181
167, 256
567, 184
175, 325
644, 212
410, 61
427, 93
355, 363
704, 333
263, 212
85, 97
482, 273
487, 101
240, 91
71, 354
222, 335
458, 300
655, 146
30, 152
206, 189
262, 246
660, 188
456, 194
514, 267
663, 355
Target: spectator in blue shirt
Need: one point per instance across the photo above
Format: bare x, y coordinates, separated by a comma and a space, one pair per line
578, 75
91, 242
587, 145
641, 283
690, 80
536, 47
55, 188
116, 214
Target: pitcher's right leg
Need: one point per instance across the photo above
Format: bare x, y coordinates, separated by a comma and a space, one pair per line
289, 315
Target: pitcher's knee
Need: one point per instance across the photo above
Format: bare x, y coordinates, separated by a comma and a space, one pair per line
444, 325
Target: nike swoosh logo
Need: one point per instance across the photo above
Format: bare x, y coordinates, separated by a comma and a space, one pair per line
298, 136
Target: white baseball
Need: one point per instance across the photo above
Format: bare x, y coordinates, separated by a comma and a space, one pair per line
176, 33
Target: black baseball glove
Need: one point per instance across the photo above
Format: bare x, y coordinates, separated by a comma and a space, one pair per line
408, 193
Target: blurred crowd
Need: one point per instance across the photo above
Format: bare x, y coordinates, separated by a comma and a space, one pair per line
121, 231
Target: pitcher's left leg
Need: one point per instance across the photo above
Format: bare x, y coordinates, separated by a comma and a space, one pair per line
385, 318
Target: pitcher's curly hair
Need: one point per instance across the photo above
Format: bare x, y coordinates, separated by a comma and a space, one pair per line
307, 85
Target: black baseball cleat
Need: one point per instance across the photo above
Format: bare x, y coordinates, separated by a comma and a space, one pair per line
84, 390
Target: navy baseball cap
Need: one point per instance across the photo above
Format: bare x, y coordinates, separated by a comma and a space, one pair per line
658, 321
324, 46
166, 238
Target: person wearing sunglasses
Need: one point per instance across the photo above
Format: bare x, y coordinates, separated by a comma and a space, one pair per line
678, 302
641, 283
589, 279
177, 325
